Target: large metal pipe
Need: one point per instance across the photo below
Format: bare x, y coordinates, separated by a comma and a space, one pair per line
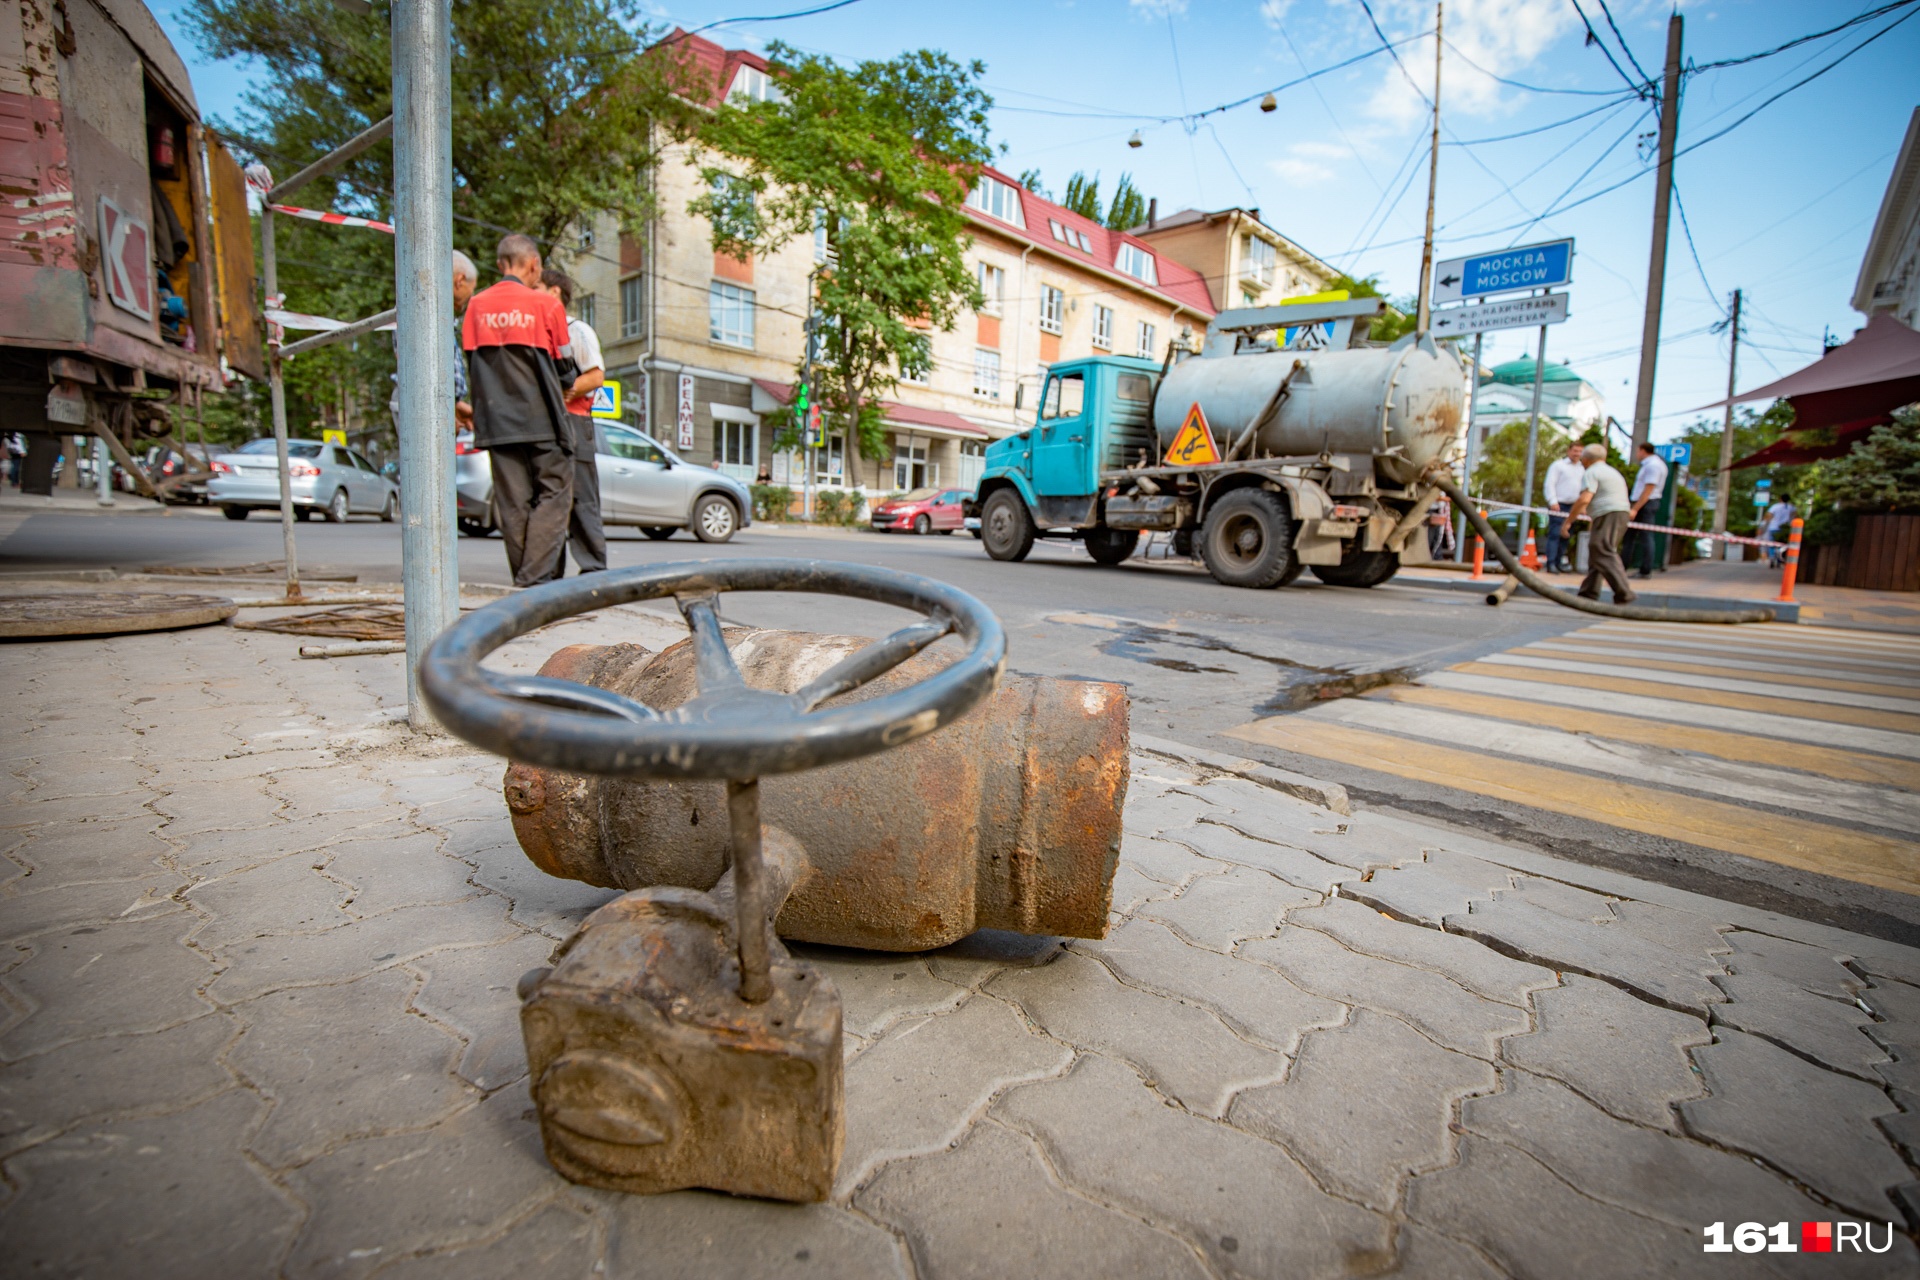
423, 334
1006, 819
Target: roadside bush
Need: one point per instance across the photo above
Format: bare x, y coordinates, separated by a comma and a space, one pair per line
838, 506
771, 501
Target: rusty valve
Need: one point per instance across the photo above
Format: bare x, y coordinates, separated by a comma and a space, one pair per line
674, 1043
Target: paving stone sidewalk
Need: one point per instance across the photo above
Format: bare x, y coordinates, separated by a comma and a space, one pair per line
257, 1018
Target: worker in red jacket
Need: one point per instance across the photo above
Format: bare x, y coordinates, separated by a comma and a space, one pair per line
515, 335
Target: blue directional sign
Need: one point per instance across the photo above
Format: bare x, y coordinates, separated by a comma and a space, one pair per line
1530, 266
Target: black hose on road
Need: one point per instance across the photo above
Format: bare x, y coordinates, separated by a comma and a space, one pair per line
1541, 587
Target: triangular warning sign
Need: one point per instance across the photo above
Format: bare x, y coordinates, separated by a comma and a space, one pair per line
1193, 446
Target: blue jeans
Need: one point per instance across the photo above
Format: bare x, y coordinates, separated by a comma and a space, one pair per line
1557, 539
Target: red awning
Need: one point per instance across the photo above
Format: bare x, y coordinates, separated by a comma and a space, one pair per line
1790, 452
1863, 380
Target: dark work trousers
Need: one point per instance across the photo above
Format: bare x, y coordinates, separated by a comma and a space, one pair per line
584, 532
1557, 539
1637, 550
1603, 555
533, 499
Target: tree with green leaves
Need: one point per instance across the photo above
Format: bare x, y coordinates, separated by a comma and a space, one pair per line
1753, 430
1499, 473
1083, 195
551, 114
885, 153
1031, 180
1129, 207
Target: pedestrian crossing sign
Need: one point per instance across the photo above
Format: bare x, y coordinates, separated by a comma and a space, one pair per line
333, 435
1193, 446
606, 400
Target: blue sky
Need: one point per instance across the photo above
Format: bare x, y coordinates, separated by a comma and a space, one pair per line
1781, 206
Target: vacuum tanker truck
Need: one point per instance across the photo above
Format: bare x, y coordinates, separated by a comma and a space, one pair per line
1285, 443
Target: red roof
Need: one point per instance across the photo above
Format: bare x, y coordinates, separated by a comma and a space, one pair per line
1181, 284
714, 64
895, 412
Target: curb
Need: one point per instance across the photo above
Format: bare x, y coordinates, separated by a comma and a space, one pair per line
1328, 795
1651, 599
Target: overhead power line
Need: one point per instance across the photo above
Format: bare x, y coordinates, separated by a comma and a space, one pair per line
1797, 41
1461, 54
775, 17
1644, 87
1624, 46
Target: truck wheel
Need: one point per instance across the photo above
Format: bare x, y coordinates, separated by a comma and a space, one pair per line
1111, 546
1359, 569
1005, 527
1248, 540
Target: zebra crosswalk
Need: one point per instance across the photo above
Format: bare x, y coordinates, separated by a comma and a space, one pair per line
1792, 744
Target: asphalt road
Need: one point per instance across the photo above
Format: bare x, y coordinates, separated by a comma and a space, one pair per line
1197, 657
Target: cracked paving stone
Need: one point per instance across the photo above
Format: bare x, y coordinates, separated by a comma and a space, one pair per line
1624, 1054
1427, 892
1439, 1008
395, 1071
80, 852
1472, 964
1561, 899
1815, 968
1249, 1207
1830, 1032
1157, 814
1653, 1174
985, 952
701, 1235
877, 989
541, 902
91, 775
1365, 1105
557, 1240
1296, 866
1253, 998
48, 1094
1604, 951
917, 1088
220, 853
1217, 912
108, 980
407, 870
288, 895
378, 1198
988, 1209
1815, 1125
1363, 841
28, 812
1165, 861
1188, 1052
28, 910
1132, 890
1904, 967
163, 1197
1682, 931
471, 989
1899, 1005
236, 805
1537, 1227
308, 792
362, 946
1428, 1255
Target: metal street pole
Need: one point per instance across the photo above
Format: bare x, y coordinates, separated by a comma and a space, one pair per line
1533, 440
277, 388
1473, 449
1657, 257
423, 333
1723, 484
1423, 310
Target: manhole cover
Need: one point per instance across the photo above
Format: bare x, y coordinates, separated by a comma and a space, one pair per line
350, 622
52, 616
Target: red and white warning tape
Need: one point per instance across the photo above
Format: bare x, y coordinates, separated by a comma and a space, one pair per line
1650, 528
335, 219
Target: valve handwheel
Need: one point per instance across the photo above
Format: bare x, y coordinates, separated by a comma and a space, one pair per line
728, 730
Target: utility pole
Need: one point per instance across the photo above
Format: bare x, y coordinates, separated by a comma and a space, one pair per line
1423, 311
1657, 257
1723, 485
423, 331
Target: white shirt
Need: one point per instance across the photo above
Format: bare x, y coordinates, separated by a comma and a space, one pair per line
1609, 489
584, 344
1779, 516
1563, 482
1652, 475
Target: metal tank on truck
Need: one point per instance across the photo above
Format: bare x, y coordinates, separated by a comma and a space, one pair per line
1287, 443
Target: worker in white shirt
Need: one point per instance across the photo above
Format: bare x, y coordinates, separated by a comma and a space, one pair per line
1649, 482
1563, 489
586, 536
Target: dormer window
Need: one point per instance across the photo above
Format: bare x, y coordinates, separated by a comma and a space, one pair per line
1138, 263
751, 84
1059, 232
997, 200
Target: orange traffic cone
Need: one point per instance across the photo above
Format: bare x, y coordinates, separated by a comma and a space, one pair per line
1529, 558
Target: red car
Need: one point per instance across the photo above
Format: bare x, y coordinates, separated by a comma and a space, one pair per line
923, 511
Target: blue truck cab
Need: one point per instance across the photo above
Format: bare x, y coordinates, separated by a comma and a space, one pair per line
1094, 415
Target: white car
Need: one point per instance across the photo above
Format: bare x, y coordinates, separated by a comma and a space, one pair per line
335, 481
642, 484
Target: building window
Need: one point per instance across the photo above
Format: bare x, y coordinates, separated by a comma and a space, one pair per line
1136, 262
736, 445
1059, 232
1248, 298
632, 317
1257, 259
751, 84
820, 247
1053, 306
973, 463
993, 289
911, 470
916, 365
585, 310
830, 461
1080, 238
1103, 328
1144, 347
986, 374
730, 314
996, 199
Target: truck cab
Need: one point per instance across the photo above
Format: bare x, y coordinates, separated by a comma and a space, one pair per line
1094, 415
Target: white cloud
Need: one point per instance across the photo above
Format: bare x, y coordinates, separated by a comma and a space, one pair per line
1502, 37
1300, 172
1274, 11
1321, 150
1158, 8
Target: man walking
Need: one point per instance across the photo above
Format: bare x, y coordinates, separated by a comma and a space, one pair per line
1649, 483
1563, 490
515, 334
1779, 517
584, 532
1603, 496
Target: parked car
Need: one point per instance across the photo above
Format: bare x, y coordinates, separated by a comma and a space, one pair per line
923, 511
326, 478
163, 464
643, 484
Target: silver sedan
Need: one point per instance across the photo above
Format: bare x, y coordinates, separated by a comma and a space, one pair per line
327, 478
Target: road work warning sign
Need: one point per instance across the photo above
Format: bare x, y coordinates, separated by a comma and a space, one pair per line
1193, 446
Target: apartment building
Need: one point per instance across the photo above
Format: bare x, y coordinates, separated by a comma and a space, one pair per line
705, 346
1244, 262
